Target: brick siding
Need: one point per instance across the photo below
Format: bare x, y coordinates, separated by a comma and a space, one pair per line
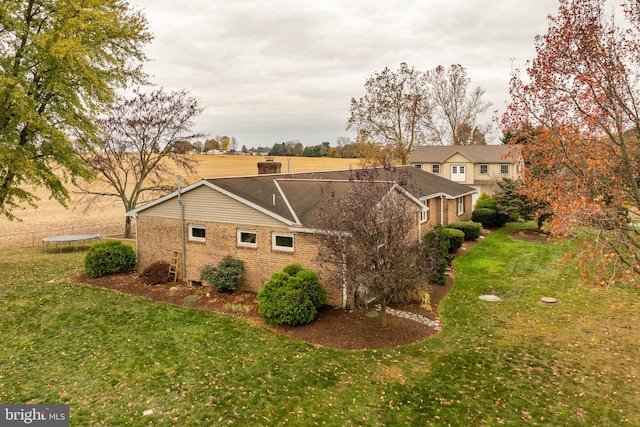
159, 237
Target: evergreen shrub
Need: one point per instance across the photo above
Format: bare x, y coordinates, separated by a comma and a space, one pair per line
456, 239
287, 299
471, 230
442, 259
110, 257
227, 276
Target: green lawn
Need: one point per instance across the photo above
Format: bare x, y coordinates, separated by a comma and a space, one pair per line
513, 362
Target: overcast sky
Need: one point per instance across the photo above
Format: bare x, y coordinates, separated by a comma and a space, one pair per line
273, 71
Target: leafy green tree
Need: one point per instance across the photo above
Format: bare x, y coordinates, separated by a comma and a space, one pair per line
289, 148
60, 63
513, 201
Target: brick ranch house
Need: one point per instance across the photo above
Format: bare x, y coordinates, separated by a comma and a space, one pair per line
267, 221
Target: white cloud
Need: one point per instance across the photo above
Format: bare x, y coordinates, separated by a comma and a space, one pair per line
268, 72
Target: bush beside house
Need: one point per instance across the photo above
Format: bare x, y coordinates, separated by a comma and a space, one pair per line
472, 230
155, 273
227, 276
442, 258
109, 257
291, 299
486, 212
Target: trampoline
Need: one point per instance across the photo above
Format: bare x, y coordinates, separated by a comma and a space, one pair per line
69, 240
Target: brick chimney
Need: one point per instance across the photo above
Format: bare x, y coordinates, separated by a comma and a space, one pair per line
269, 166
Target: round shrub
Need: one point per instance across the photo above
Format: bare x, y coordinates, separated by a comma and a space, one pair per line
485, 216
293, 269
456, 238
310, 283
291, 300
155, 273
109, 257
471, 230
226, 277
486, 201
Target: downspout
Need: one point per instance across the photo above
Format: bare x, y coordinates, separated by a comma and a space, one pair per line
442, 202
344, 281
137, 251
184, 256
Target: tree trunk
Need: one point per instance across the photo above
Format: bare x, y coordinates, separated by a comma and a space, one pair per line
127, 227
383, 312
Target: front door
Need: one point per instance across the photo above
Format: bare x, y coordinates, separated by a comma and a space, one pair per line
458, 173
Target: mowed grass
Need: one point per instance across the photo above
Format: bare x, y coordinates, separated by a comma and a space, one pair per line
514, 362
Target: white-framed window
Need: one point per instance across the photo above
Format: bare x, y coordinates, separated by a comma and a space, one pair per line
504, 169
435, 168
484, 169
418, 166
282, 242
247, 238
424, 215
197, 233
458, 173
460, 201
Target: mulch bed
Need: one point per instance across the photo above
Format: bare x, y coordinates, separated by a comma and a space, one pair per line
334, 327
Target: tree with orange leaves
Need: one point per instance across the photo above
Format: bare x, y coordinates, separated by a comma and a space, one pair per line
583, 96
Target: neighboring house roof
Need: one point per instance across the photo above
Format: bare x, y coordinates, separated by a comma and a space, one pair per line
475, 153
294, 198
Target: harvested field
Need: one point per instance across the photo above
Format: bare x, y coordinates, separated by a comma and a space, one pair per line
107, 215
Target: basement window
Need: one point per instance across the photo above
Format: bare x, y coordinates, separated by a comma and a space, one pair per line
247, 238
197, 233
282, 242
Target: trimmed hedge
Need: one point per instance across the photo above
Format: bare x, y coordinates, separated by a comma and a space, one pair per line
442, 259
226, 277
287, 299
109, 257
456, 239
472, 230
489, 217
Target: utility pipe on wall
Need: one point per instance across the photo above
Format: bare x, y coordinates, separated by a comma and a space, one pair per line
184, 257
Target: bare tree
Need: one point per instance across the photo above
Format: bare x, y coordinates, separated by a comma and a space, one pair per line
372, 232
395, 110
455, 113
136, 140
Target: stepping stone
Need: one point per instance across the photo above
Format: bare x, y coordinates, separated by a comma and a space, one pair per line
490, 298
548, 300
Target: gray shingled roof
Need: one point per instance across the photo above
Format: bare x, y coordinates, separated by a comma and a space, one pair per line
297, 196
475, 153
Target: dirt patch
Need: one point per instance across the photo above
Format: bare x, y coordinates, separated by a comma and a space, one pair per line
334, 327
530, 234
